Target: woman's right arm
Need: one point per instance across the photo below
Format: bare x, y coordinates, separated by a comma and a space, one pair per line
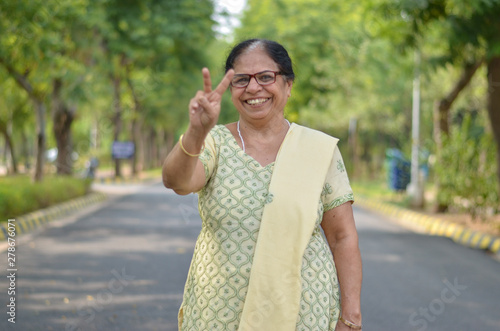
182, 172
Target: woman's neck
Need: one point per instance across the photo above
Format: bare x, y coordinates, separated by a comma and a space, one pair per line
263, 143
264, 129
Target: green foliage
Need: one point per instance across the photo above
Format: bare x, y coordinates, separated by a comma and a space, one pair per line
353, 61
467, 173
156, 48
18, 195
344, 70
164, 45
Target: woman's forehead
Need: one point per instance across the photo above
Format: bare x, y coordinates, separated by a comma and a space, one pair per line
255, 60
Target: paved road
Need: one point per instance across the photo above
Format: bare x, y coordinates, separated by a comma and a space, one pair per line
419, 282
123, 267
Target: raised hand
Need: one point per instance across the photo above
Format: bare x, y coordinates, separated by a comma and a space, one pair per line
204, 108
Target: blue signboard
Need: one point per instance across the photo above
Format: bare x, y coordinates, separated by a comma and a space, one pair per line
122, 150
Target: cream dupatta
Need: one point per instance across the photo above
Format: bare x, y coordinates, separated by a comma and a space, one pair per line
274, 291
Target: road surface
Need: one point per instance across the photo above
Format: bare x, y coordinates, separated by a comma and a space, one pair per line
123, 267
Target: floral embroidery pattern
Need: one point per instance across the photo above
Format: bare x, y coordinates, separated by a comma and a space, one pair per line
268, 198
340, 166
327, 189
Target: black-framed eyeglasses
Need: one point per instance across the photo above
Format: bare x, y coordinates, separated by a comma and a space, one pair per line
262, 78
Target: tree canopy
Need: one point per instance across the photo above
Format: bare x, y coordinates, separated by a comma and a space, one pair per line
88, 73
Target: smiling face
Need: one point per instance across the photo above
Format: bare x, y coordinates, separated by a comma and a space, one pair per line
256, 102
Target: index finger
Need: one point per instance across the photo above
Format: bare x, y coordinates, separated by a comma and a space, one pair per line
207, 81
224, 84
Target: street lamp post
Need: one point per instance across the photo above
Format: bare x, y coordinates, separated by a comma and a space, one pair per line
415, 189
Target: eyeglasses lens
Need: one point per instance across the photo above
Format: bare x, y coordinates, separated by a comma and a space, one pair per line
262, 78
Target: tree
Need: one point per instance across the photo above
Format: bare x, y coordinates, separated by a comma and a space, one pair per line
134, 64
344, 73
33, 47
470, 33
442, 120
169, 36
36, 96
69, 53
14, 117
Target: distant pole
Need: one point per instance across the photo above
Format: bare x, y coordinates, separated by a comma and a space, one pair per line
415, 189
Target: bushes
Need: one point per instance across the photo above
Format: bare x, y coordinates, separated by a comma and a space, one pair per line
467, 171
19, 195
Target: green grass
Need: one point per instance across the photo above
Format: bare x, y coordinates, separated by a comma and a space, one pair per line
19, 195
152, 173
109, 171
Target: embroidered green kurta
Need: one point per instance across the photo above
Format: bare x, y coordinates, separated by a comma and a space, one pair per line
231, 206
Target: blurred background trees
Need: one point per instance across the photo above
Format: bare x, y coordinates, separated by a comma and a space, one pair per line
94, 72
75, 76
355, 65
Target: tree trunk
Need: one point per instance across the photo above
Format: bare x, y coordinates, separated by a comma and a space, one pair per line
162, 147
162, 143
140, 148
442, 108
26, 150
40, 140
145, 150
9, 146
442, 115
63, 117
494, 105
169, 144
148, 155
117, 119
154, 148
136, 167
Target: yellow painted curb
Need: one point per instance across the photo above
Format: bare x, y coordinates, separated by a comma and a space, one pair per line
32, 221
495, 246
435, 226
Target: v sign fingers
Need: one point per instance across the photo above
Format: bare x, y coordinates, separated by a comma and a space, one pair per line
204, 108
221, 88
207, 81
214, 98
225, 82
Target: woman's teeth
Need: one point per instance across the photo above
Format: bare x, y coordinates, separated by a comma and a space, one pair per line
256, 101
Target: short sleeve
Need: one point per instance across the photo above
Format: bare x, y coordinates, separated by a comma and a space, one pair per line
337, 189
209, 155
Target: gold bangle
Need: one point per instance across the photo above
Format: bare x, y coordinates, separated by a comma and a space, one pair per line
187, 153
352, 325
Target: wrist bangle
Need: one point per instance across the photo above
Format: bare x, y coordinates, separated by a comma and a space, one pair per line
186, 152
350, 324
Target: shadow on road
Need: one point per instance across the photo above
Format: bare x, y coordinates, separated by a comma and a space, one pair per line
120, 268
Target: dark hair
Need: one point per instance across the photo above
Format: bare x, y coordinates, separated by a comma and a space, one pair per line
275, 51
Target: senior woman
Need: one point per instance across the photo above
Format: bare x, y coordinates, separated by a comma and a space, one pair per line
266, 188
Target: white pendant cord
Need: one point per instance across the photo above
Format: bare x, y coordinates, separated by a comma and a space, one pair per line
239, 133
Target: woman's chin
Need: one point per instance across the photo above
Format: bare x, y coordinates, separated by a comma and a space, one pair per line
256, 113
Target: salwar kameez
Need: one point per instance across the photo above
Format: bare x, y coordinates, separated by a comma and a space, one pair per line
231, 206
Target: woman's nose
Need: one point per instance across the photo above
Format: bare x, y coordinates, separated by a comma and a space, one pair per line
253, 85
